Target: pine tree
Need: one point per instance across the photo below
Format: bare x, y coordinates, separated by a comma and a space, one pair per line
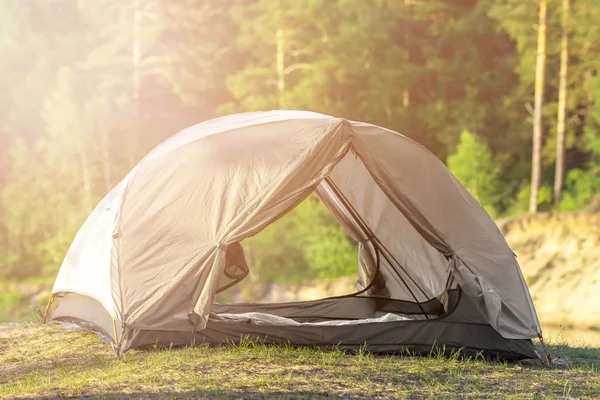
562, 105
536, 162
474, 166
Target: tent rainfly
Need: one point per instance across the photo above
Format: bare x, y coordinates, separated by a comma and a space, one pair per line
433, 269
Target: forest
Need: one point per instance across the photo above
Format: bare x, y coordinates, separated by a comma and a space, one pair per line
505, 92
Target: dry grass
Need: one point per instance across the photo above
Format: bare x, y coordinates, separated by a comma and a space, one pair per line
47, 361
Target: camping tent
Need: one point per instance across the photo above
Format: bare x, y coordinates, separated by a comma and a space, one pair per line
433, 267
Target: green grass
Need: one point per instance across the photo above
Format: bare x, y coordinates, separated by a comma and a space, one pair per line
48, 361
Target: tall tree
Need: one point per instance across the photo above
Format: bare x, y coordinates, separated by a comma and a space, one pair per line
50, 187
516, 17
562, 106
314, 55
458, 70
536, 159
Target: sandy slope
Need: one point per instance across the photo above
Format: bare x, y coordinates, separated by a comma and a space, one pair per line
560, 258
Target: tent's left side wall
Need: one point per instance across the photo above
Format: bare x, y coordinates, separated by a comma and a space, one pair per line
88, 314
83, 292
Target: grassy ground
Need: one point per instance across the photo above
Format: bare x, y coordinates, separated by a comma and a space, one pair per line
48, 361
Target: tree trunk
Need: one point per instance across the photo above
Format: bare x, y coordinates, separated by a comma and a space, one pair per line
86, 180
280, 69
136, 57
562, 105
136, 51
589, 103
405, 91
536, 162
105, 143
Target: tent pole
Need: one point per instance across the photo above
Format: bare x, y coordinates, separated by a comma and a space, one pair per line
114, 323
406, 284
45, 316
376, 242
402, 268
370, 234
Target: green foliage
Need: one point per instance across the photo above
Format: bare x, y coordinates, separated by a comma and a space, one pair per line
10, 300
276, 253
583, 184
14, 305
41, 214
521, 203
474, 166
306, 243
582, 187
89, 87
328, 249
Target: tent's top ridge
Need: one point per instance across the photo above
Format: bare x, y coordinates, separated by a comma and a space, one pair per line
254, 118
233, 122
279, 114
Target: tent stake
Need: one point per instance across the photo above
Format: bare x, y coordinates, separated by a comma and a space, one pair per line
544, 347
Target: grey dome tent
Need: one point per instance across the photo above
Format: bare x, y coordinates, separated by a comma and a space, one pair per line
433, 267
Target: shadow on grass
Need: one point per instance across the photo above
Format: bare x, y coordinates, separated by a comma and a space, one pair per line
209, 394
564, 355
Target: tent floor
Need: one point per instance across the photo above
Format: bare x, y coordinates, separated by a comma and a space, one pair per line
414, 337
260, 318
351, 323
378, 325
